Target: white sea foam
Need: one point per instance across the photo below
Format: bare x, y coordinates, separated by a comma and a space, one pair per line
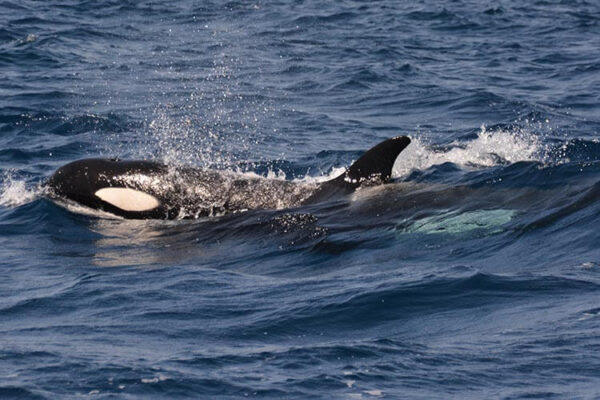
155, 379
334, 173
14, 192
488, 149
281, 175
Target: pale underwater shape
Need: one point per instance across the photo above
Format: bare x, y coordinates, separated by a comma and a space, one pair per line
487, 222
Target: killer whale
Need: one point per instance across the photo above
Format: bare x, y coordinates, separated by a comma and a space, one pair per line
151, 190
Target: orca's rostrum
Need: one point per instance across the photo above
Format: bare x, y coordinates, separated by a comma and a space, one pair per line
144, 189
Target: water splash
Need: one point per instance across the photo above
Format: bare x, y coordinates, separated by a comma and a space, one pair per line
14, 192
334, 173
488, 149
30, 38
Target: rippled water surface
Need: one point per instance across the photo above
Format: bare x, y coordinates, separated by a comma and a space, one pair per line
474, 274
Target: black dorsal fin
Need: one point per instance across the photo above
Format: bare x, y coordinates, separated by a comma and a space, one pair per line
377, 163
375, 166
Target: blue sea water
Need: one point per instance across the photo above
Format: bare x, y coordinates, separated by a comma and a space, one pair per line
475, 274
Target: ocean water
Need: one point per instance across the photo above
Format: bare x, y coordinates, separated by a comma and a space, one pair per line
474, 274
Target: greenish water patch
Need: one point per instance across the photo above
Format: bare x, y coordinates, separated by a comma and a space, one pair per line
486, 222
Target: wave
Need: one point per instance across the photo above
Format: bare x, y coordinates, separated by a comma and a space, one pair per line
399, 299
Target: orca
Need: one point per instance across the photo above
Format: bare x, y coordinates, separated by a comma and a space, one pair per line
151, 190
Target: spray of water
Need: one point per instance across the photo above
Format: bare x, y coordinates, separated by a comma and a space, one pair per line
488, 149
213, 123
14, 192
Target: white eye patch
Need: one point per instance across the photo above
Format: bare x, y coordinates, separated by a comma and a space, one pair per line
128, 199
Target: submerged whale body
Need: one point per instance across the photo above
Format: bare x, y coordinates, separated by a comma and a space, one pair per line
144, 189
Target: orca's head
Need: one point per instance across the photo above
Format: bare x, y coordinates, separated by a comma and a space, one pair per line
96, 183
78, 179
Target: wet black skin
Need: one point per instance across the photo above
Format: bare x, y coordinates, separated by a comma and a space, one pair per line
192, 193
